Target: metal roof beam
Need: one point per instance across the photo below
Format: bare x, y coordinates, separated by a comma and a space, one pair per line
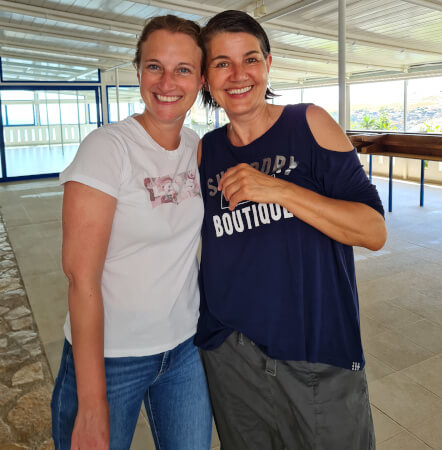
295, 52
69, 35
287, 10
62, 51
306, 29
426, 4
353, 36
309, 55
69, 17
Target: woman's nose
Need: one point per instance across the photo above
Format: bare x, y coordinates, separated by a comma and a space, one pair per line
167, 81
239, 73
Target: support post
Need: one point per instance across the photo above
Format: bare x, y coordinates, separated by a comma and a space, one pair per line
117, 91
390, 186
342, 81
370, 167
422, 182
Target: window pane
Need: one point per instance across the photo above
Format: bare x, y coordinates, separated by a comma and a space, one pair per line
22, 114
425, 105
377, 106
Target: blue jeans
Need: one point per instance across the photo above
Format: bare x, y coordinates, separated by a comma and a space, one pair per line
172, 385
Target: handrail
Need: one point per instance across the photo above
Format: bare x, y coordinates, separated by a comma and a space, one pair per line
415, 146
403, 145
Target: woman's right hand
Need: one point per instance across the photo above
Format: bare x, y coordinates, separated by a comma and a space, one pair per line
91, 428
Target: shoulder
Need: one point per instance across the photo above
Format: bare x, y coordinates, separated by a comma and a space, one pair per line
190, 136
326, 132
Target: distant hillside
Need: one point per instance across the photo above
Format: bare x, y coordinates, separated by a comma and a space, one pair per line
425, 111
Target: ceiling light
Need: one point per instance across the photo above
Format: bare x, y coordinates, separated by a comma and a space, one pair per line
263, 9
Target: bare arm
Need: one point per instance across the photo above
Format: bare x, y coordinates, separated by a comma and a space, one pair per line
350, 223
87, 222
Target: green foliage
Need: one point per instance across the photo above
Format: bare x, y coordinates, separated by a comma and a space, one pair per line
431, 127
383, 122
367, 122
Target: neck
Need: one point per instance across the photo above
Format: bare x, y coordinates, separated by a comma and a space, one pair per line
244, 129
166, 134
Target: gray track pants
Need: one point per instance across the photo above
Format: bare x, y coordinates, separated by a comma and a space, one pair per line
264, 404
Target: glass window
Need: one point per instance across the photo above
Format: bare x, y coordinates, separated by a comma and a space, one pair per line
425, 105
130, 102
20, 114
287, 97
327, 97
377, 106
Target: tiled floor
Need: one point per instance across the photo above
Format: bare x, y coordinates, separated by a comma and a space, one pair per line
400, 291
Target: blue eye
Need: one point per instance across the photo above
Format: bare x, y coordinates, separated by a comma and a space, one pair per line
183, 70
251, 60
222, 65
152, 67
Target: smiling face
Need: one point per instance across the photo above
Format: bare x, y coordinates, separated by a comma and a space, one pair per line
169, 75
237, 72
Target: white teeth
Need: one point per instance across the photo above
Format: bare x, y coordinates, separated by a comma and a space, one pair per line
164, 98
240, 91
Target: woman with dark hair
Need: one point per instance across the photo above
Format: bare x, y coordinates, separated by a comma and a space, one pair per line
285, 200
129, 252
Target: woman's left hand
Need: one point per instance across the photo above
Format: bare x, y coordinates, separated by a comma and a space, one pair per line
244, 183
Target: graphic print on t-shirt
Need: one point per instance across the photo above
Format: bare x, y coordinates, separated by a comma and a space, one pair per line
172, 189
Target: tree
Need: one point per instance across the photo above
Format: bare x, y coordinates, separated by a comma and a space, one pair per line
383, 122
367, 122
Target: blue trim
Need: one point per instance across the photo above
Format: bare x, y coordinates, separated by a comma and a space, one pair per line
89, 115
98, 96
2, 144
370, 168
422, 182
29, 177
390, 185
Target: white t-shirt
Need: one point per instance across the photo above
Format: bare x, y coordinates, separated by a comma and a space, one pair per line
149, 283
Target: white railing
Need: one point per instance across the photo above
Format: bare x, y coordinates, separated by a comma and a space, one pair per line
25, 136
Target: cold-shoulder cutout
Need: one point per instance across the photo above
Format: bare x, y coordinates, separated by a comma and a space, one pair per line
326, 132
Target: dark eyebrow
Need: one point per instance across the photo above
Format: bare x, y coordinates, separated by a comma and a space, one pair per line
251, 52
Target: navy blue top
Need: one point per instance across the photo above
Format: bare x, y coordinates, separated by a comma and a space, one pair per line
266, 273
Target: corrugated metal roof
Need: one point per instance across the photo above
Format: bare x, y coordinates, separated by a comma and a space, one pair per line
386, 38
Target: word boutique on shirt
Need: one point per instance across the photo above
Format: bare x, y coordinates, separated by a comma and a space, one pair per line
254, 214
248, 217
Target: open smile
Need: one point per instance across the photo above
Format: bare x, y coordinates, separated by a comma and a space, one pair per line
167, 98
239, 91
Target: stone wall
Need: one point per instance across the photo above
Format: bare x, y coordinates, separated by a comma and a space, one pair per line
25, 379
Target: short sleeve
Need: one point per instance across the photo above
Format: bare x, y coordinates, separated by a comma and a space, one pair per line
99, 163
343, 177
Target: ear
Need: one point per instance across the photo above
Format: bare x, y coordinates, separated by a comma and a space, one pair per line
203, 82
268, 61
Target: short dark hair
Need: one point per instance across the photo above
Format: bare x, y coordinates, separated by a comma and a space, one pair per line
173, 24
233, 21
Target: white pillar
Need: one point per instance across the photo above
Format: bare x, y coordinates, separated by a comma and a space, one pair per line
117, 91
342, 82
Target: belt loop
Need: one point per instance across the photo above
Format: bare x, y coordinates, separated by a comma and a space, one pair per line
240, 338
271, 367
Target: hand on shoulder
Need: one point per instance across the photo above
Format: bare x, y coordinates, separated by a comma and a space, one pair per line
326, 131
